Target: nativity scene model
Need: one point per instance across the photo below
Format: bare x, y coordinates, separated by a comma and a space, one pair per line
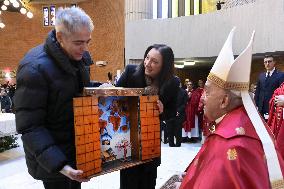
115, 128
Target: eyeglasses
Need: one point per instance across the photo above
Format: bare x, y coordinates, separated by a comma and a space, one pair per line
267, 62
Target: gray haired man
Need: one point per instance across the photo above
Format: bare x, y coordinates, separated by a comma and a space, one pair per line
48, 78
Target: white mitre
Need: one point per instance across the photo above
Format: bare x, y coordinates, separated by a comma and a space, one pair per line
230, 73
234, 74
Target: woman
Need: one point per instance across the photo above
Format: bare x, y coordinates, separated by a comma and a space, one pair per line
156, 75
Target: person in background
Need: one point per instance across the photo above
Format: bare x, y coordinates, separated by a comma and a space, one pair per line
185, 129
268, 81
48, 78
6, 102
200, 111
176, 130
252, 90
185, 84
192, 123
156, 75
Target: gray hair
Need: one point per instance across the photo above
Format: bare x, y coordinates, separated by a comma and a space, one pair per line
71, 20
235, 99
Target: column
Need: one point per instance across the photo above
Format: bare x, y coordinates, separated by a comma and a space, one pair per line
136, 10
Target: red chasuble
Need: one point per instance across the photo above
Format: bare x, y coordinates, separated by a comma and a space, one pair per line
232, 157
275, 121
191, 109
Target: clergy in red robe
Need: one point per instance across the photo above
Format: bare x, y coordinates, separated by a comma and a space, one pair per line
192, 109
194, 118
231, 157
275, 121
239, 152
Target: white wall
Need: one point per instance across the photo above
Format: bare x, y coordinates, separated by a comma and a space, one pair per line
204, 35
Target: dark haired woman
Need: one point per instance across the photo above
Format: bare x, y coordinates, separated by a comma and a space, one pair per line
156, 75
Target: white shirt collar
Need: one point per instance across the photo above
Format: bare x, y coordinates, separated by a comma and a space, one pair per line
271, 72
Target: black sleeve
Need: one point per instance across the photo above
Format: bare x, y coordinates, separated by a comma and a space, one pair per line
124, 78
168, 96
169, 91
31, 109
181, 105
256, 96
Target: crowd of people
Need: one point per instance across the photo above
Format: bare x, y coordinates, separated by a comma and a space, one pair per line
7, 91
238, 152
268, 101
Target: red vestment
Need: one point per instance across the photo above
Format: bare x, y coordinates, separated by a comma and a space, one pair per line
275, 121
191, 109
232, 157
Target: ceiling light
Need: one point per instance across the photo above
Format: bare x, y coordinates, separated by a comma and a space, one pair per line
179, 66
16, 4
6, 2
189, 63
3, 7
30, 15
7, 75
23, 10
12, 1
2, 25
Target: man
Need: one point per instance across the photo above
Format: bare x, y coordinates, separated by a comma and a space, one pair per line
48, 78
192, 122
238, 153
186, 81
6, 103
267, 82
252, 89
186, 127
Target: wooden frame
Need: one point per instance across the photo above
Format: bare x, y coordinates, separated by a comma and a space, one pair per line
144, 129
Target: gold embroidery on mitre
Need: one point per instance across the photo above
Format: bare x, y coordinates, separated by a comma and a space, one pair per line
278, 184
227, 85
240, 131
232, 154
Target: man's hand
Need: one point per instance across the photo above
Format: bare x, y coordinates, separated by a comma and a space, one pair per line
73, 174
279, 100
160, 106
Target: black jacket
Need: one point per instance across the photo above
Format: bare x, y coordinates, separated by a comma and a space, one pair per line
265, 89
182, 99
47, 81
132, 77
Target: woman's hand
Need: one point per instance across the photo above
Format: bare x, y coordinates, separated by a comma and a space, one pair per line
160, 106
73, 174
279, 100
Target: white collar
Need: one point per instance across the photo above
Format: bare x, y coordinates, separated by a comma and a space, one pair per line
271, 72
